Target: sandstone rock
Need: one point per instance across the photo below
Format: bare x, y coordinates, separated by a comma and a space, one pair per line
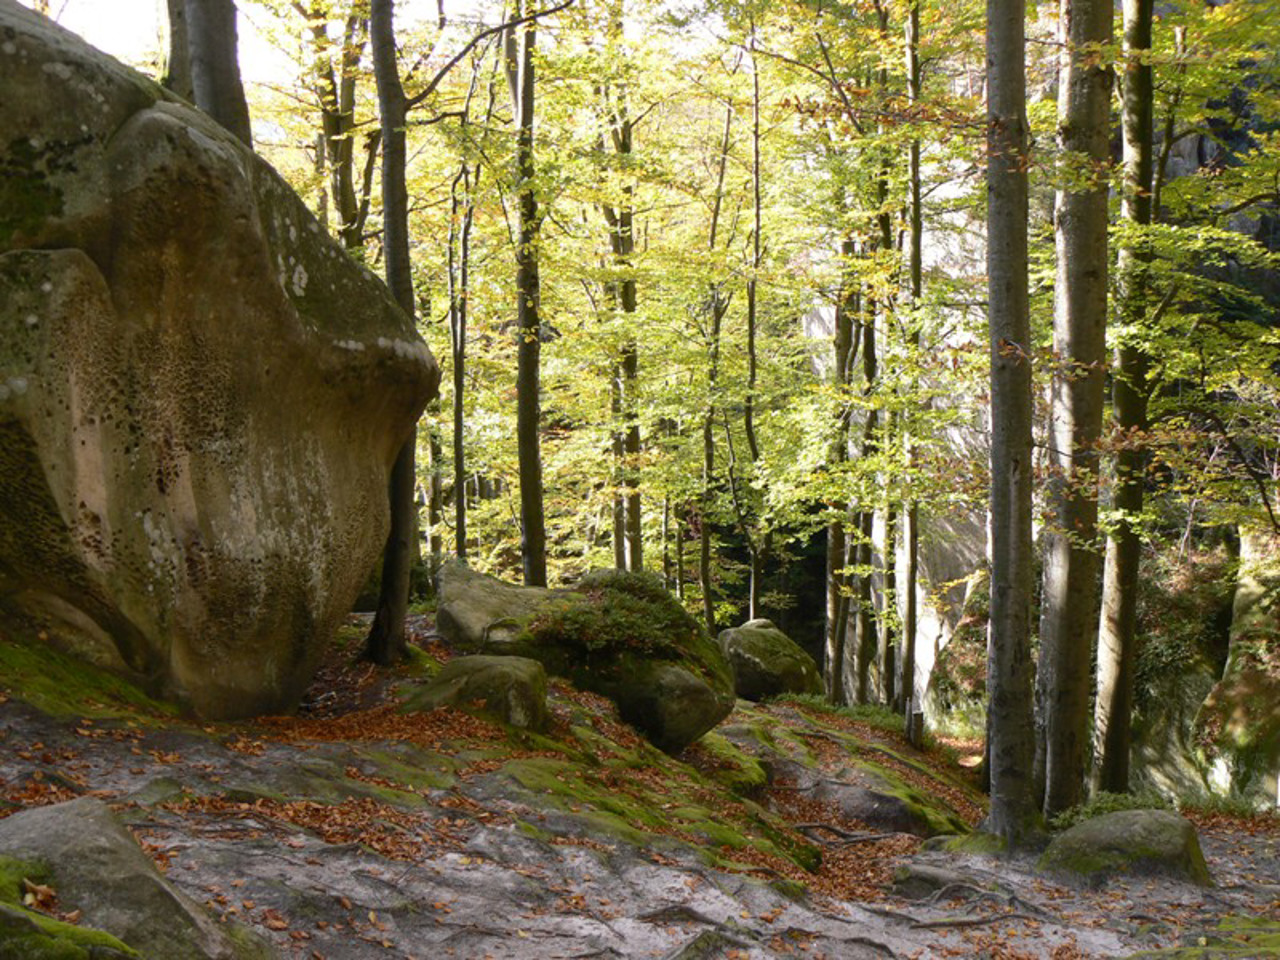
766, 662
96, 867
512, 689
201, 394
1140, 842
479, 612
620, 635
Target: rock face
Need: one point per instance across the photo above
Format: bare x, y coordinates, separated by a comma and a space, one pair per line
1141, 842
201, 395
512, 689
1239, 721
97, 867
619, 635
766, 662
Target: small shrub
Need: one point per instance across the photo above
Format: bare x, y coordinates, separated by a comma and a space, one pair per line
1104, 802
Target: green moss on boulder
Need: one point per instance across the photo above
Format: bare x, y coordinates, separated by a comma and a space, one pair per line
1140, 842
766, 662
510, 689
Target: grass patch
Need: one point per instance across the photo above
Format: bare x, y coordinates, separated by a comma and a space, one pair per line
1103, 802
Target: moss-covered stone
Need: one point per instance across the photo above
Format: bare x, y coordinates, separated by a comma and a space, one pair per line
27, 935
510, 689
1140, 842
618, 634
766, 662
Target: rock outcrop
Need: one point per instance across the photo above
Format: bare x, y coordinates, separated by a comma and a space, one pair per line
1133, 842
766, 662
96, 867
619, 635
201, 394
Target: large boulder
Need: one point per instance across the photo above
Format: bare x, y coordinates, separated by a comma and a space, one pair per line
766, 662
1238, 724
511, 689
201, 394
621, 635
93, 864
1134, 842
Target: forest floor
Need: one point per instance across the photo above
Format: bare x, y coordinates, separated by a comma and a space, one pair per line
356, 831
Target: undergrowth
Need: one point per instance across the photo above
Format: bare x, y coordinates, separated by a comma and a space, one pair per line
1103, 802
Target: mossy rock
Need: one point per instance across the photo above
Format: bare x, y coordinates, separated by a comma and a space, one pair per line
97, 867
510, 689
956, 696
1136, 842
27, 935
766, 662
621, 635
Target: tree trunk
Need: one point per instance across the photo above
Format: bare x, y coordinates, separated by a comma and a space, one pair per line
1118, 624
215, 65
888, 634
386, 640
177, 69
915, 248
866, 632
528, 361
1013, 814
1069, 605
837, 539
717, 306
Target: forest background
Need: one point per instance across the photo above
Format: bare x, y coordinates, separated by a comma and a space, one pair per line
761, 289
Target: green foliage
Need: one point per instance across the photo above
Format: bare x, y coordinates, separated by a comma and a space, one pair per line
614, 612
1103, 802
1184, 609
872, 714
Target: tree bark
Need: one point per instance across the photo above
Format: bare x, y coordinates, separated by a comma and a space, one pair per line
215, 65
177, 69
1118, 624
528, 361
1013, 814
843, 345
386, 640
915, 248
717, 306
1069, 604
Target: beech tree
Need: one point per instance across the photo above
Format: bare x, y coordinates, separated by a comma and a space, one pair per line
215, 64
1010, 733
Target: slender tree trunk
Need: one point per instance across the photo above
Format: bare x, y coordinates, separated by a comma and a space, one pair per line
215, 65
1069, 605
386, 640
866, 632
435, 495
619, 481
177, 69
888, 635
666, 542
915, 247
755, 539
528, 388
843, 344
718, 305
1010, 746
1118, 624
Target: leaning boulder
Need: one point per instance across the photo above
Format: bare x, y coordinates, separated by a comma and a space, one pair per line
621, 635
510, 689
1136, 842
95, 867
201, 394
766, 662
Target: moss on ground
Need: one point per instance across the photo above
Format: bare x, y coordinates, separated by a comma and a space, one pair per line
28, 935
1235, 936
65, 687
